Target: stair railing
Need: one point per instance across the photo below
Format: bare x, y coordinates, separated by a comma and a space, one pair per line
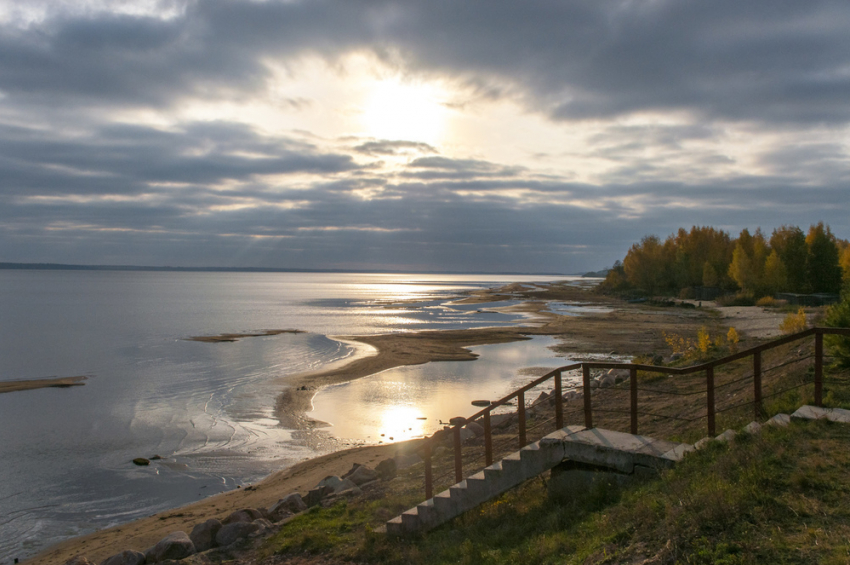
556, 375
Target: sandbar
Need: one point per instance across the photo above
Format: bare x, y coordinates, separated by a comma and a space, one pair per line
224, 338
58, 382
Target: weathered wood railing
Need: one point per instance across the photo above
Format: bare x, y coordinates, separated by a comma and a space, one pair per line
556, 375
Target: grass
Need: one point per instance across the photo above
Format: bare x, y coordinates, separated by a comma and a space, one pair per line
780, 496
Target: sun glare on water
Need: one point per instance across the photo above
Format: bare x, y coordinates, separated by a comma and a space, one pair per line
400, 111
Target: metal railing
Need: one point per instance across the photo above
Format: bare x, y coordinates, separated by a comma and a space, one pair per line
684, 389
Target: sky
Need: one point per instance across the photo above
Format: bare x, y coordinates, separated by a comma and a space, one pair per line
420, 135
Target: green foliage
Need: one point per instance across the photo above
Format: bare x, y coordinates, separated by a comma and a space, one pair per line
838, 316
789, 242
822, 267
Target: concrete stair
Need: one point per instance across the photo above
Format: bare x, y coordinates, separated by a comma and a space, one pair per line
615, 450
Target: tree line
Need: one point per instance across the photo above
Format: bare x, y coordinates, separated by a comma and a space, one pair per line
752, 264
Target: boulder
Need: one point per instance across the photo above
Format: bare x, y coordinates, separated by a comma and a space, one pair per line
541, 399
475, 428
78, 560
126, 557
236, 531
457, 421
316, 495
243, 515
362, 475
203, 534
141, 461
290, 504
607, 381
175, 545
466, 435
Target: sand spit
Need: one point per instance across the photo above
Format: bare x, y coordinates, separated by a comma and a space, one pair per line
58, 382
223, 338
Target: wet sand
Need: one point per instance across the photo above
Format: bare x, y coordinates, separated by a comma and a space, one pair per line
60, 382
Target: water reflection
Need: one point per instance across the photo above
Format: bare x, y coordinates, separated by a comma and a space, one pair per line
391, 405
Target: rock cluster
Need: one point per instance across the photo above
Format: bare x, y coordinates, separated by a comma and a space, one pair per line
247, 523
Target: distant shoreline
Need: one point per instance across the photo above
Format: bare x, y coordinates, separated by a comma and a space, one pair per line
74, 267
58, 382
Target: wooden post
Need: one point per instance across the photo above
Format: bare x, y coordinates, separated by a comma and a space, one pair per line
488, 439
520, 404
458, 457
429, 472
633, 391
559, 402
588, 407
709, 388
819, 369
758, 409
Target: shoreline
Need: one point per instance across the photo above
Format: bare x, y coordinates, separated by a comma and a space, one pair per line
593, 332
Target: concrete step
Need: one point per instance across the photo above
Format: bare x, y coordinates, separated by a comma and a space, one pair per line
614, 450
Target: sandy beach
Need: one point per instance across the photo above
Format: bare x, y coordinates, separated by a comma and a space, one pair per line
619, 327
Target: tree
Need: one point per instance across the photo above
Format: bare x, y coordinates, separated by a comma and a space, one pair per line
748, 262
645, 266
823, 272
790, 243
709, 275
775, 274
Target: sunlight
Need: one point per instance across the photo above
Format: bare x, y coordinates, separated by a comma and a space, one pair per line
399, 423
401, 111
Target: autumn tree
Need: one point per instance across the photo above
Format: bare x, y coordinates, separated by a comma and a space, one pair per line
823, 272
789, 242
645, 265
748, 262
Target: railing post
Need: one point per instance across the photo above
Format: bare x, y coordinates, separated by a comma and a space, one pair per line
709, 387
588, 407
458, 458
429, 472
818, 368
488, 439
633, 395
520, 404
758, 409
559, 402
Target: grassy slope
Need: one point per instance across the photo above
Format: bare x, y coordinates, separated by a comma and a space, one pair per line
782, 496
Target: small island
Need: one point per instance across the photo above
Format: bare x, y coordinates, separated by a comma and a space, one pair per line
58, 382
221, 338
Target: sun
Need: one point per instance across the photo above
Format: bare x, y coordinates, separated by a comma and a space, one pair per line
401, 111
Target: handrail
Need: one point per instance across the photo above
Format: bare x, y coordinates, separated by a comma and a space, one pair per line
633, 368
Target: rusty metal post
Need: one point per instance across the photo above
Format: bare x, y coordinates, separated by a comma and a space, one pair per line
488, 439
520, 404
458, 455
709, 388
559, 402
588, 407
633, 393
429, 472
758, 409
819, 369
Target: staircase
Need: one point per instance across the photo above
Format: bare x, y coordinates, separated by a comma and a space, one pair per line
614, 450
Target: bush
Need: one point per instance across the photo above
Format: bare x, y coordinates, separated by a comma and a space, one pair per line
838, 316
794, 323
766, 302
739, 299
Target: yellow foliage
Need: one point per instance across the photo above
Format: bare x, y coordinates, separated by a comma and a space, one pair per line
794, 323
732, 339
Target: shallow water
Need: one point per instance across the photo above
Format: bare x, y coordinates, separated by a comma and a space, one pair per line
207, 409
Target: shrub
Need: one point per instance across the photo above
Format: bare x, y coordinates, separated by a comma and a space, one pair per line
739, 299
766, 302
838, 316
794, 323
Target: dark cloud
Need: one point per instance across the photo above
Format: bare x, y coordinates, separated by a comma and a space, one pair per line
386, 147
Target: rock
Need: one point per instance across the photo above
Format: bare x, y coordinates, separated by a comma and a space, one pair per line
289, 504
607, 381
126, 557
349, 492
781, 420
594, 384
77, 560
481, 403
386, 469
753, 428
728, 435
542, 398
315, 496
335, 483
351, 471
237, 531
676, 356
466, 435
176, 545
203, 534
457, 421
141, 461
156, 458
405, 461
362, 475
243, 515
475, 428
703, 442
